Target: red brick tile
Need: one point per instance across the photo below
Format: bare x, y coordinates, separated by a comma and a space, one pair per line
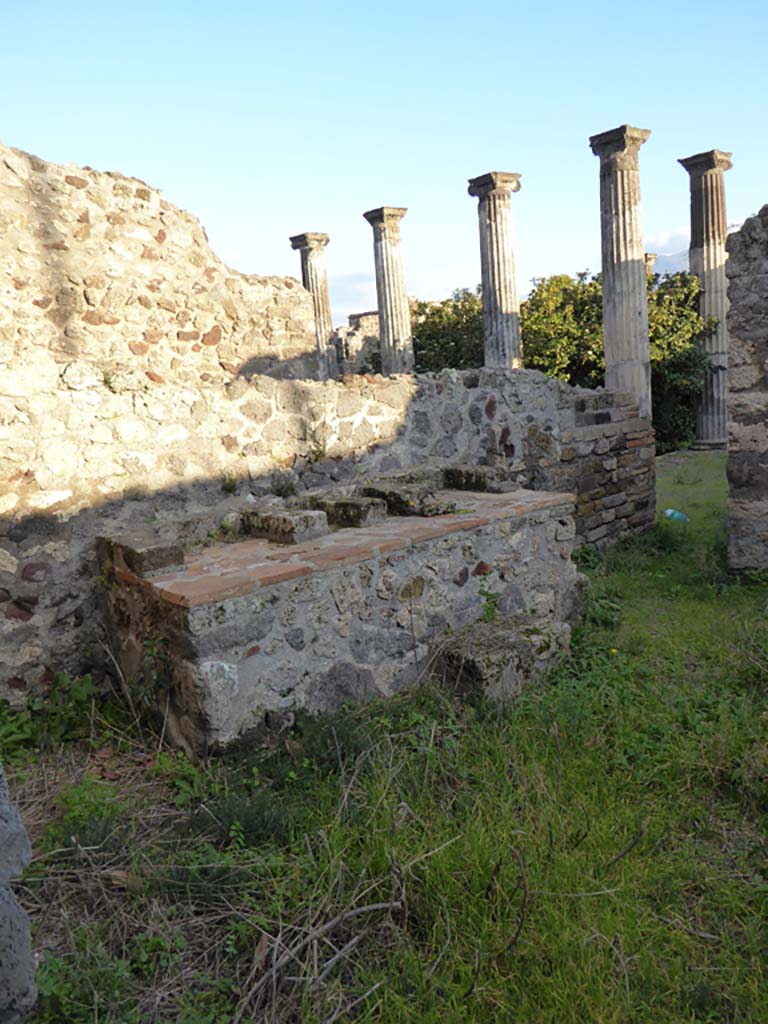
228, 570
267, 574
342, 556
126, 577
386, 545
205, 590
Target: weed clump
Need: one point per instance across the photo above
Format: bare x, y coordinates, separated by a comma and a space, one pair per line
64, 713
282, 484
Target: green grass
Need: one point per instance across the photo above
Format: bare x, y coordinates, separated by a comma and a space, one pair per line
597, 852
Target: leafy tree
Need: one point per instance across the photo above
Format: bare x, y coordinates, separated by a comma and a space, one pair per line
448, 333
678, 362
562, 335
561, 323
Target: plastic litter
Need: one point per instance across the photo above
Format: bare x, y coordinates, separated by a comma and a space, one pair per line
678, 517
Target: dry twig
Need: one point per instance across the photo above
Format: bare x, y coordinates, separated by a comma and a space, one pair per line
628, 848
293, 952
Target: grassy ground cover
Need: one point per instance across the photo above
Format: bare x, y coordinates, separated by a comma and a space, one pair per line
597, 852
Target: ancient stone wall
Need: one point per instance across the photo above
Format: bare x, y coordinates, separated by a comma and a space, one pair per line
747, 270
357, 345
132, 390
82, 458
100, 268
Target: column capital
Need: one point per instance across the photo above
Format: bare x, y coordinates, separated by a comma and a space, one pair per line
711, 160
309, 240
622, 141
499, 182
386, 216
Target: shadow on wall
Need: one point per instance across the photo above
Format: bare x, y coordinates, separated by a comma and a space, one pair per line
267, 366
198, 453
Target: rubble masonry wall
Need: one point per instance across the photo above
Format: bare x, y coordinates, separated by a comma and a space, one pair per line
747, 269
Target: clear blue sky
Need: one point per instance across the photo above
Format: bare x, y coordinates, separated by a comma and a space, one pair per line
269, 119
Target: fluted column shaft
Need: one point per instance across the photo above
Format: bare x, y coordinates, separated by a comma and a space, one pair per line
314, 277
706, 259
625, 299
394, 309
501, 310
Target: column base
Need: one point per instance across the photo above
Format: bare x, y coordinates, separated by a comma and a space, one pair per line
709, 446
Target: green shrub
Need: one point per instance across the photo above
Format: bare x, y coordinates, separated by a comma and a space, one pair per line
448, 334
65, 712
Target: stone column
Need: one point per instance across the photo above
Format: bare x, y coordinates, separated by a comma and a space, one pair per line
501, 310
706, 259
625, 300
394, 309
650, 263
315, 279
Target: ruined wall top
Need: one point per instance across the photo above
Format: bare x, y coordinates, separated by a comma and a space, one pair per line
100, 267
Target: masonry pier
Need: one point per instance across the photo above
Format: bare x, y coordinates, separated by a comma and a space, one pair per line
748, 395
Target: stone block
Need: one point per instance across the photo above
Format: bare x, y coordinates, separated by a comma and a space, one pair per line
598, 533
139, 552
17, 968
473, 478
614, 500
284, 527
350, 511
409, 499
497, 659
